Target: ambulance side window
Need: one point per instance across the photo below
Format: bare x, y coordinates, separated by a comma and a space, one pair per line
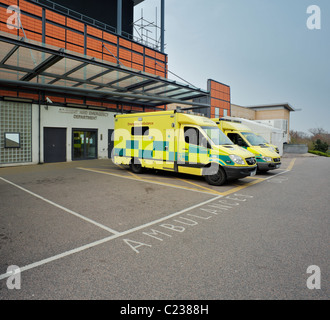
139, 131
237, 139
191, 135
194, 136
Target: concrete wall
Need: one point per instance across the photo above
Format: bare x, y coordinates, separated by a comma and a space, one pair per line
295, 148
273, 114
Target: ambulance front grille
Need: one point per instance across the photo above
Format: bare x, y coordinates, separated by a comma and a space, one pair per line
251, 161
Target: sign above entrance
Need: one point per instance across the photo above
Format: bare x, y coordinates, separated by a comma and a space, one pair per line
83, 114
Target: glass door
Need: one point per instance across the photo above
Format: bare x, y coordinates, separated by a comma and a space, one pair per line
84, 144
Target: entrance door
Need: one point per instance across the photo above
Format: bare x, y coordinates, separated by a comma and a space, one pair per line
54, 145
110, 142
84, 144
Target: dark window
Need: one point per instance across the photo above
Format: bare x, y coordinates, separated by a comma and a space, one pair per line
191, 135
195, 137
139, 131
237, 139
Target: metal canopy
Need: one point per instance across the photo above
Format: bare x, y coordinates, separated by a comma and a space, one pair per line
30, 64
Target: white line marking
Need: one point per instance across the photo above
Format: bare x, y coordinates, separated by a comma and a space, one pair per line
61, 207
168, 217
277, 174
147, 181
96, 243
115, 236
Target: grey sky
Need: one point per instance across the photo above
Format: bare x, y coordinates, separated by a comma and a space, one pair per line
261, 48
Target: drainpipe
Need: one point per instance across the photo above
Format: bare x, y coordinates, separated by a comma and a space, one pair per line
162, 27
119, 16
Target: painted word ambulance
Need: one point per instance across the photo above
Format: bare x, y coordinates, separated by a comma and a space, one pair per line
179, 142
267, 158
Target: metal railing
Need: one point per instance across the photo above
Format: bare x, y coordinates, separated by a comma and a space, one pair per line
93, 22
74, 14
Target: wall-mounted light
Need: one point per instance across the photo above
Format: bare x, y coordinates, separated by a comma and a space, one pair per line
49, 100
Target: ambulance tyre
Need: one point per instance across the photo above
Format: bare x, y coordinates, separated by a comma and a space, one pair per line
216, 179
135, 166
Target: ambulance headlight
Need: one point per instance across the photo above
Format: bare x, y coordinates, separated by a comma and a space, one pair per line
267, 159
236, 159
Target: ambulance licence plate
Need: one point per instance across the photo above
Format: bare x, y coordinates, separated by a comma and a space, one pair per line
253, 173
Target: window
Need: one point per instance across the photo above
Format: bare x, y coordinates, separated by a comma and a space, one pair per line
191, 135
253, 139
195, 137
216, 112
225, 112
237, 139
12, 140
139, 131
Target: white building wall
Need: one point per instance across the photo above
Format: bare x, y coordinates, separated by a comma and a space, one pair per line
73, 118
280, 124
35, 134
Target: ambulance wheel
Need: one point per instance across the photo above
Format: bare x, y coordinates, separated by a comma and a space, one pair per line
217, 179
135, 166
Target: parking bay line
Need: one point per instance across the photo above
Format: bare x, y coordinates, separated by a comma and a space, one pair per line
62, 208
115, 236
107, 239
199, 186
147, 181
291, 164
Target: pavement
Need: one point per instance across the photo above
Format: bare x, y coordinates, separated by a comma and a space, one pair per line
299, 155
90, 230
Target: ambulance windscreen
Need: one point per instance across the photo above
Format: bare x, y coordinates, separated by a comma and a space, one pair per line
253, 139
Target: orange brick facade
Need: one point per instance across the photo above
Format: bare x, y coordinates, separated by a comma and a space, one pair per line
43, 25
220, 98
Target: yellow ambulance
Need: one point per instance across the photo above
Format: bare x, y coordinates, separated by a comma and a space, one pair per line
266, 143
267, 158
179, 142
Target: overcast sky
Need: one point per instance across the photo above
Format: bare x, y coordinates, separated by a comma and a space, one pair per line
261, 48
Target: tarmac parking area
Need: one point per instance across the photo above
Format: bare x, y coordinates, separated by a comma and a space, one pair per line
53, 211
53, 208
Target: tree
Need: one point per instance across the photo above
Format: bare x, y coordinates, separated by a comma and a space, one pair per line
321, 146
320, 133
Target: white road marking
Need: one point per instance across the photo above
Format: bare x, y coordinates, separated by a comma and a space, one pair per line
96, 243
148, 181
115, 236
275, 175
61, 207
